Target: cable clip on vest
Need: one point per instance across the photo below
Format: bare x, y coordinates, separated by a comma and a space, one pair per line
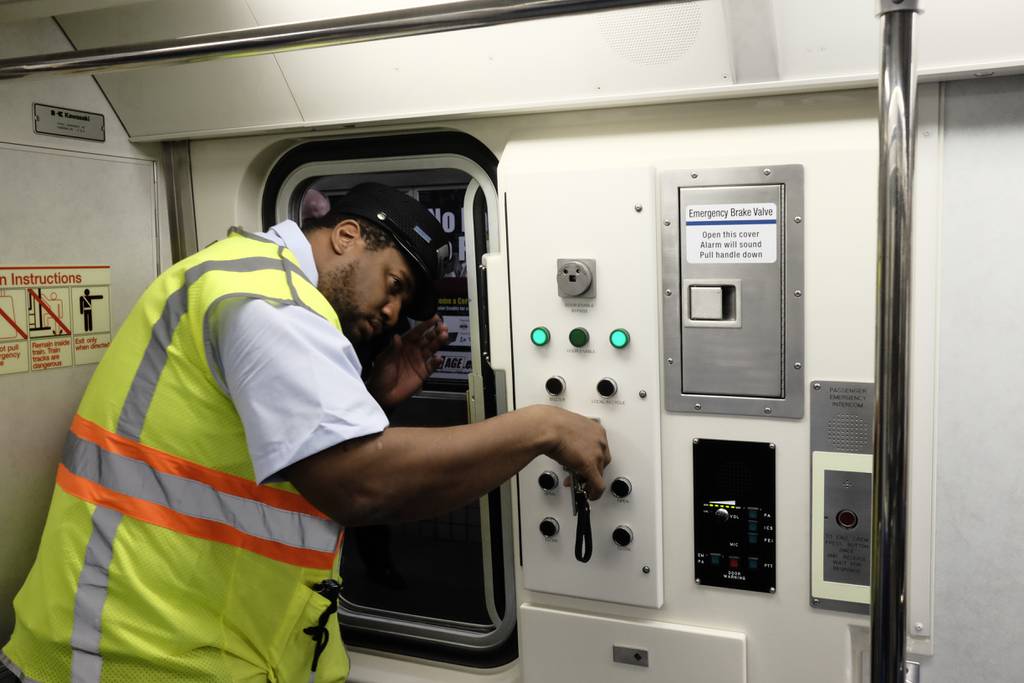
581, 510
330, 589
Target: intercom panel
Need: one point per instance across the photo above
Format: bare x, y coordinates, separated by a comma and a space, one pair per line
841, 462
584, 310
734, 514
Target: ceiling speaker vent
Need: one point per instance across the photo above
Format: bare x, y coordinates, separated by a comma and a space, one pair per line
653, 35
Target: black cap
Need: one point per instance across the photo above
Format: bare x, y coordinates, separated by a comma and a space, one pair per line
417, 234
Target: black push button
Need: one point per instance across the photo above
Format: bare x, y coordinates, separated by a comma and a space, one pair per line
607, 387
548, 481
549, 527
622, 535
555, 386
621, 487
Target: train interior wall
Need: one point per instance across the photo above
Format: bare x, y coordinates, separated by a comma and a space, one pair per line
75, 202
64, 202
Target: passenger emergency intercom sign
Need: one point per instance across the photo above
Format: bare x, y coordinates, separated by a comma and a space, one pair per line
53, 316
732, 233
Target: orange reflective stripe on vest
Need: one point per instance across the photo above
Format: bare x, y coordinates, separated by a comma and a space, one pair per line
161, 489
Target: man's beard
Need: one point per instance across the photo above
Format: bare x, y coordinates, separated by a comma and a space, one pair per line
337, 287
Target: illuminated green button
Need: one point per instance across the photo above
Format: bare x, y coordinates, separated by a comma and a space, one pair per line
619, 338
579, 337
540, 336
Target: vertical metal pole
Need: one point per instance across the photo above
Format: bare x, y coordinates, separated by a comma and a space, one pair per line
897, 126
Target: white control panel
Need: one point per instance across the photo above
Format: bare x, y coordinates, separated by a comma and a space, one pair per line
584, 309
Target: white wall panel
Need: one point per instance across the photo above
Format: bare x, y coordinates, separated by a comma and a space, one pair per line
189, 99
546, 63
631, 56
979, 590
64, 201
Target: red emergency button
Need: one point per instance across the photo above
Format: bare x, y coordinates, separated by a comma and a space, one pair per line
846, 519
734, 563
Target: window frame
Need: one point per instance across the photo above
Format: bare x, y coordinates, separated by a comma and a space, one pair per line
445, 640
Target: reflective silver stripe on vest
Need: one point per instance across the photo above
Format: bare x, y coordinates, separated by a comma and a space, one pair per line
86, 661
14, 669
197, 499
143, 387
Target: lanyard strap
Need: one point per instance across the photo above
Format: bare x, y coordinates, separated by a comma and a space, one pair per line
330, 589
581, 508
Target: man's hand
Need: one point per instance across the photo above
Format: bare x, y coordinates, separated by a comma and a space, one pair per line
398, 372
581, 445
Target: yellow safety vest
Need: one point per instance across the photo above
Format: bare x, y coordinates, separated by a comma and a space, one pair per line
162, 559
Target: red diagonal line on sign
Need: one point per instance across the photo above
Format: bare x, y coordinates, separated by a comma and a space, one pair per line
13, 324
50, 311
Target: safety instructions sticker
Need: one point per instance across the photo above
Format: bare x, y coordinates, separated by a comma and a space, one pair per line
732, 233
53, 316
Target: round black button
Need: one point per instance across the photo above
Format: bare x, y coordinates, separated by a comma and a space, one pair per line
622, 535
554, 386
607, 387
722, 515
621, 487
549, 527
847, 519
548, 481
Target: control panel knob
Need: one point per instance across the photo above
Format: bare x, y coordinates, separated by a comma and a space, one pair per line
621, 487
548, 481
555, 386
549, 527
622, 535
607, 387
722, 515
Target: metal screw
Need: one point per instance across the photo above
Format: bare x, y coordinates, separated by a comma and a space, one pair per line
918, 626
670, 361
697, 580
697, 406
817, 386
797, 365
643, 394
815, 601
771, 446
767, 171
646, 569
767, 410
668, 292
798, 219
772, 589
668, 223
483, 267
638, 207
798, 294
693, 175
696, 441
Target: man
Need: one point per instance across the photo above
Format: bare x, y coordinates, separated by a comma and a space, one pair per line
225, 439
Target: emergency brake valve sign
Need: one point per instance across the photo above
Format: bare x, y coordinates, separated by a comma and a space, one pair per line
732, 233
53, 316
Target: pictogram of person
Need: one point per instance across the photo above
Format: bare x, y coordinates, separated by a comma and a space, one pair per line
85, 307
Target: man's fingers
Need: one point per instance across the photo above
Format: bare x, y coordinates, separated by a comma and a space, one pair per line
595, 485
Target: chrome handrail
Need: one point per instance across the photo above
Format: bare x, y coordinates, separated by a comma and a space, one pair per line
897, 126
453, 16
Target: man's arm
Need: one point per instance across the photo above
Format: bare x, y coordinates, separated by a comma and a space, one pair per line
404, 474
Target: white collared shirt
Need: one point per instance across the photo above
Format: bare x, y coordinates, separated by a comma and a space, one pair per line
294, 380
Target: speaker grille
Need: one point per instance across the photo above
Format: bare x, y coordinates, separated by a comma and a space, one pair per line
849, 433
653, 35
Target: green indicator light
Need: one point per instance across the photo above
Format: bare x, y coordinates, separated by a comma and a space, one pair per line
540, 336
619, 338
579, 337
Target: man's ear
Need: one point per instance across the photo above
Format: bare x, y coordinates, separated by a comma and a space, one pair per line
345, 234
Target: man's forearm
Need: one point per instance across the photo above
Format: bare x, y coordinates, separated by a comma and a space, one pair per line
415, 473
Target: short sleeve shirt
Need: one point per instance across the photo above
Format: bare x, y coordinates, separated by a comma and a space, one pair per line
293, 378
